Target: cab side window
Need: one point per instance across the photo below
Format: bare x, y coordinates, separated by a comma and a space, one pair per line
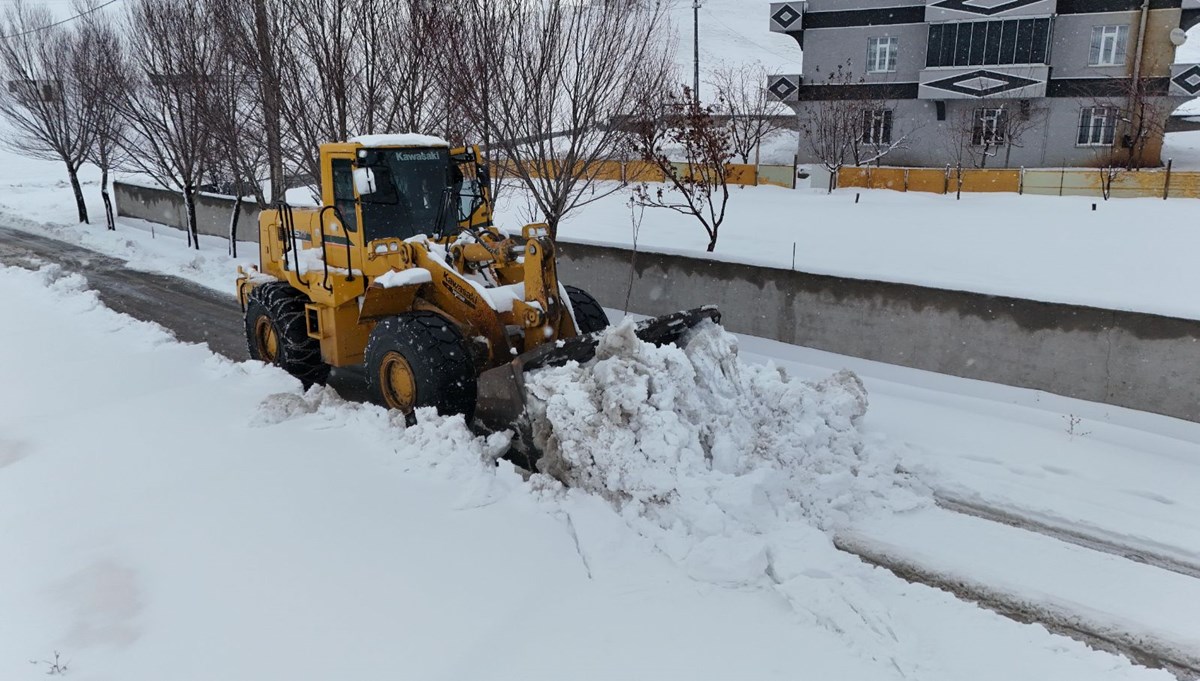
343, 192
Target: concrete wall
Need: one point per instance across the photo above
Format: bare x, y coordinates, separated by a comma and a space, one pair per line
166, 207
1133, 360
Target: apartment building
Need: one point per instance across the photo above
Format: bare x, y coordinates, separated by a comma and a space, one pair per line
990, 82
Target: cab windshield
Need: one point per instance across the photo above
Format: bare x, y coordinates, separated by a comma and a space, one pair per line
416, 192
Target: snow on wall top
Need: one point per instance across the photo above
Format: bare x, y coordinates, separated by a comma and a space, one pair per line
407, 139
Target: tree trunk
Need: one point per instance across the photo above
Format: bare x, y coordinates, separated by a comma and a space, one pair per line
73, 172
269, 84
712, 242
189, 205
109, 219
233, 223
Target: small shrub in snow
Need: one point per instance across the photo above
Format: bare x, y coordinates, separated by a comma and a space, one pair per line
54, 667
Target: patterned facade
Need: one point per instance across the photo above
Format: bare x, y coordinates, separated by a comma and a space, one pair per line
993, 82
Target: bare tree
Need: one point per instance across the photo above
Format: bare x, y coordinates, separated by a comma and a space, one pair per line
753, 115
471, 56
49, 115
846, 129
102, 70
249, 36
568, 75
237, 152
978, 134
175, 61
699, 186
1130, 119
354, 67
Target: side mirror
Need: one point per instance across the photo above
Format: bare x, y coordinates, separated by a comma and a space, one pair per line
364, 181
483, 176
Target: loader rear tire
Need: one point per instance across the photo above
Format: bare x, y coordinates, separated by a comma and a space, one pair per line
420, 359
588, 313
276, 332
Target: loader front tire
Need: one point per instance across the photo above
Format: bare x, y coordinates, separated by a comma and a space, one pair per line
276, 332
420, 359
588, 313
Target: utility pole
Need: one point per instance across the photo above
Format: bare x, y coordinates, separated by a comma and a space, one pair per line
696, 46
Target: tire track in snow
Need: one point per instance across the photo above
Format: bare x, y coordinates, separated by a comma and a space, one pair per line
1145, 652
1066, 534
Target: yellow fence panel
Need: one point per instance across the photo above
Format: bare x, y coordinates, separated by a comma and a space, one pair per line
641, 171
742, 174
886, 178
1185, 185
779, 176
927, 180
991, 181
1127, 185
609, 170
1042, 182
853, 177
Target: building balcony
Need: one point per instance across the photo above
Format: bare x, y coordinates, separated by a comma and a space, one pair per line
1185, 79
984, 82
787, 17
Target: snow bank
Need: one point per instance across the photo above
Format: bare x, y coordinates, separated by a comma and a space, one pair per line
705, 453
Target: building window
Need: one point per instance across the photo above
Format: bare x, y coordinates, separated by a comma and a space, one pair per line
989, 127
989, 43
877, 126
1109, 44
1097, 126
881, 55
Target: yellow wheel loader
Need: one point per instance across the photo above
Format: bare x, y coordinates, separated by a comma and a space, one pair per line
400, 270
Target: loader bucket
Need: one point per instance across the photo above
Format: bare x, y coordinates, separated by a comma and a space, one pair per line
501, 391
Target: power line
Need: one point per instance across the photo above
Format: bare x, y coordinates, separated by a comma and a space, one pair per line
59, 23
730, 31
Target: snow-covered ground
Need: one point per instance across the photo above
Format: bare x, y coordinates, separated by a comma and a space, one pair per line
168, 513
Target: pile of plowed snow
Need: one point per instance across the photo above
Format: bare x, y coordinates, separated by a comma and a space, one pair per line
703, 445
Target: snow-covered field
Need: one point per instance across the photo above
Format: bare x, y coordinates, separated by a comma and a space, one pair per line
168, 513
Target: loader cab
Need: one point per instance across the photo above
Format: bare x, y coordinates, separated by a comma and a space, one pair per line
409, 191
